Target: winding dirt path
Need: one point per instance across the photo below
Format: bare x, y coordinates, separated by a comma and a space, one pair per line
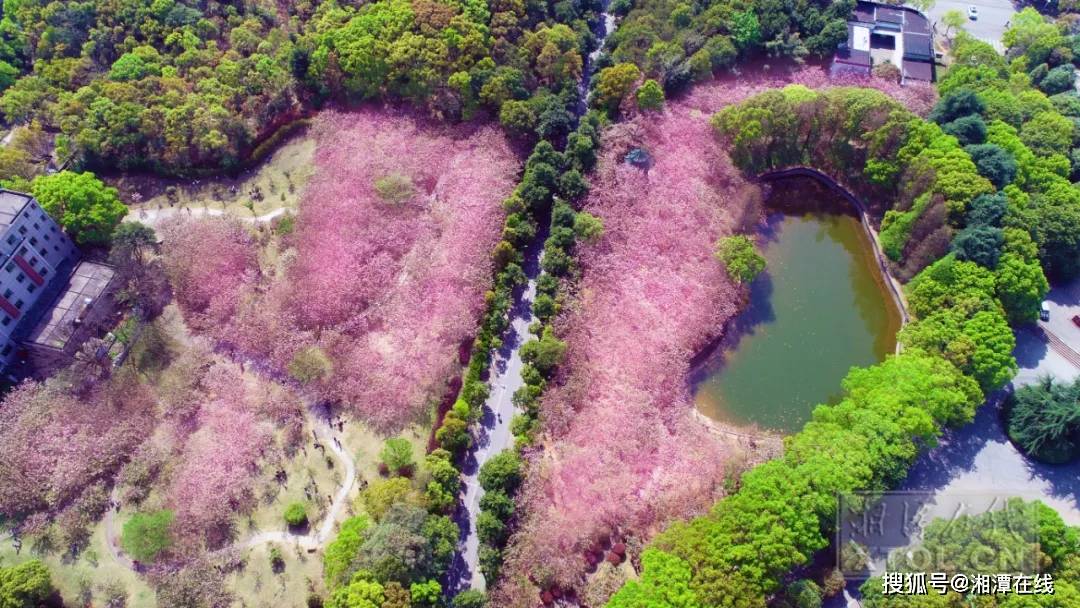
313, 540
153, 217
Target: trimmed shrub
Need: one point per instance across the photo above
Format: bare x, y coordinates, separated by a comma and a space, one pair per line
296, 514
147, 535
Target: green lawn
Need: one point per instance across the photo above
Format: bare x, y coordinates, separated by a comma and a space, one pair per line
256, 585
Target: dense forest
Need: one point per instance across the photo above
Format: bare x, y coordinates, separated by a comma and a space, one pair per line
193, 87
678, 43
182, 87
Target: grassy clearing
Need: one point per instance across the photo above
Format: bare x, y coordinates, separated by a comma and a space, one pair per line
308, 469
83, 582
258, 585
365, 445
273, 184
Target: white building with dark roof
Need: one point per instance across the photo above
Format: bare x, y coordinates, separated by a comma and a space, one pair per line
880, 33
39, 269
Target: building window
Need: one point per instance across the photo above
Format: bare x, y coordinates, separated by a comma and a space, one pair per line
44, 272
7, 293
31, 287
19, 303
36, 226
20, 278
33, 262
33, 205
6, 321
52, 228
47, 238
7, 350
10, 267
22, 229
44, 252
11, 239
23, 251
33, 241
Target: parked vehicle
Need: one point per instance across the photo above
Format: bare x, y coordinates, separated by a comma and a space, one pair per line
1076, 320
973, 13
1044, 312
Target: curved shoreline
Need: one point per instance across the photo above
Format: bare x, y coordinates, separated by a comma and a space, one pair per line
895, 289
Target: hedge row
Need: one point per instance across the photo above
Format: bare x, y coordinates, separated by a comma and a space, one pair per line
551, 182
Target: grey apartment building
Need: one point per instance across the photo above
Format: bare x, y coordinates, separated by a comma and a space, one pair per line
46, 290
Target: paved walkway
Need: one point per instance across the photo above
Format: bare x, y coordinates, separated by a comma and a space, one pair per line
1060, 346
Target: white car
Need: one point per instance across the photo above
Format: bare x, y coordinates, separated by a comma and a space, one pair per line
973, 13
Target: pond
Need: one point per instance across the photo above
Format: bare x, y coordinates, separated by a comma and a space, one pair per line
820, 307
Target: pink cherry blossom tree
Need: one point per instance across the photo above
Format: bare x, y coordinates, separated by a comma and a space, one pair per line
386, 270
623, 456
54, 444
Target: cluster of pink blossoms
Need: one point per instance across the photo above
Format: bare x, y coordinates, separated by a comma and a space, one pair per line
624, 456
389, 263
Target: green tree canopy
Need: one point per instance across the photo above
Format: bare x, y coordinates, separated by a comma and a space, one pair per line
979, 244
994, 163
957, 104
966, 129
614, 84
470, 598
1044, 419
380, 495
131, 243
501, 472
740, 258
27, 585
296, 514
361, 592
340, 554
665, 583
650, 96
81, 203
147, 535
544, 354
397, 455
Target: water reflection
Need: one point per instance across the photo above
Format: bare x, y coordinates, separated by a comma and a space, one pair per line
817, 310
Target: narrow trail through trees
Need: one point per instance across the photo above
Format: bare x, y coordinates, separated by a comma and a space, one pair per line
154, 217
493, 434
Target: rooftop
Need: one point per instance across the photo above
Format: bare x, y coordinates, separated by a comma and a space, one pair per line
11, 203
87, 282
882, 33
918, 70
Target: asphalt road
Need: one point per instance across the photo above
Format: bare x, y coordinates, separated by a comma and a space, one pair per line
993, 15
